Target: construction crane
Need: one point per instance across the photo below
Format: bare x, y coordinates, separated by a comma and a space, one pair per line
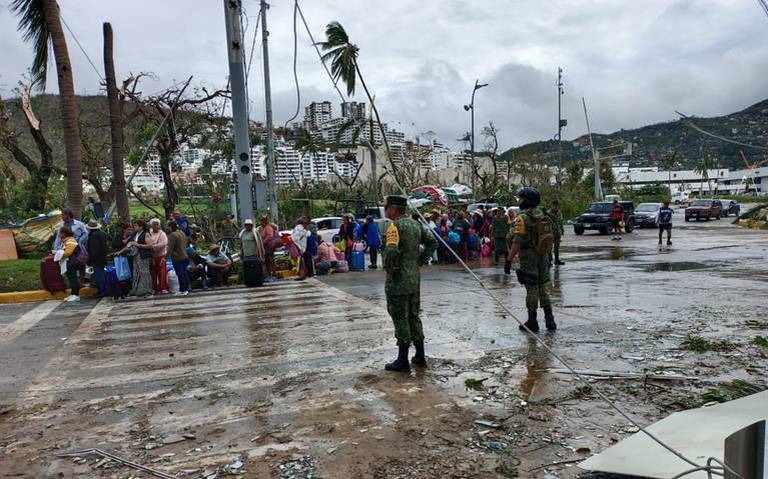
749, 167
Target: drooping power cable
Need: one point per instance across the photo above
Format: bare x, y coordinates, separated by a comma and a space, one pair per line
74, 37
295, 74
504, 307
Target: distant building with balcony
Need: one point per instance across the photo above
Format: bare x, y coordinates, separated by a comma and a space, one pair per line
316, 114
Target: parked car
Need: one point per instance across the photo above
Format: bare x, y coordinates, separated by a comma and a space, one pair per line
482, 206
647, 214
704, 209
731, 207
327, 227
598, 217
680, 197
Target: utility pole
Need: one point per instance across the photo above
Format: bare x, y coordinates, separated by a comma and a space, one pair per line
560, 124
271, 170
235, 51
595, 156
471, 108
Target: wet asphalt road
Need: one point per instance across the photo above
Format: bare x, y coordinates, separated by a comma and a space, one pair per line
295, 368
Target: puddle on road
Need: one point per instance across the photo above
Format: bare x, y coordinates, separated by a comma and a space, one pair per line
672, 266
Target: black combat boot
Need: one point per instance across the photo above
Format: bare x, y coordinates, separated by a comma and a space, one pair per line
557, 260
532, 323
401, 363
507, 267
419, 359
549, 319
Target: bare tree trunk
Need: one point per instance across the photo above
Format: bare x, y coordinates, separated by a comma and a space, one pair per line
171, 196
115, 128
69, 113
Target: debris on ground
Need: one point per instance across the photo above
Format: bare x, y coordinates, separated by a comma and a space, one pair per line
301, 468
731, 390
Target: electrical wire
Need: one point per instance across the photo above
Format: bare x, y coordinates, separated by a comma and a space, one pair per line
295, 74
500, 303
74, 37
763, 5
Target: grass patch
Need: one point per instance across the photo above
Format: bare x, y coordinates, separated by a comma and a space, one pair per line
475, 384
19, 275
761, 341
731, 390
700, 345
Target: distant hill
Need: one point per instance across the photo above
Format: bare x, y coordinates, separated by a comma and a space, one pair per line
650, 143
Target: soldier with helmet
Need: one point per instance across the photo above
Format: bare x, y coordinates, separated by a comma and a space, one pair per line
529, 241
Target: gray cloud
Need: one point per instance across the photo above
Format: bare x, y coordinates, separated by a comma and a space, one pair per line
635, 62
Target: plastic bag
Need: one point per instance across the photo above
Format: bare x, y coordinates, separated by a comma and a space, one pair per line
122, 269
173, 282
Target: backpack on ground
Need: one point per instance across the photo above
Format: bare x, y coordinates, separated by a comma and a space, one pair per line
542, 234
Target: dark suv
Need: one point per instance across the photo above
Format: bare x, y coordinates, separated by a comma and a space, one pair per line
598, 217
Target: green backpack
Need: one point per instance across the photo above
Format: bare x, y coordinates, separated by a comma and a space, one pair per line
542, 234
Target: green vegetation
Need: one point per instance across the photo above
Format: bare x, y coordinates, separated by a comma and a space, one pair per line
729, 391
19, 275
700, 345
761, 341
474, 384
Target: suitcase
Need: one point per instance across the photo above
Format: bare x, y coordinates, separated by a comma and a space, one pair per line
357, 261
253, 272
50, 275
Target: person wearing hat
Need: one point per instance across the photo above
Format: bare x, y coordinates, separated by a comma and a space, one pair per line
533, 272
407, 246
251, 245
197, 267
96, 244
219, 266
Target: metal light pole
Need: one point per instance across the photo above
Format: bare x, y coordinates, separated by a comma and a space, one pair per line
561, 122
471, 108
233, 10
271, 170
595, 155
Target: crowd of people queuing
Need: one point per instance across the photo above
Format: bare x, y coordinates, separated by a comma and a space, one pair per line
159, 258
155, 251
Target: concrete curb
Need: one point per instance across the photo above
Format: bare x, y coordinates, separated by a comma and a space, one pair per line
85, 292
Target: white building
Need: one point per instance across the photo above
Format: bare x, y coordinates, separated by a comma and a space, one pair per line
686, 180
744, 181
316, 114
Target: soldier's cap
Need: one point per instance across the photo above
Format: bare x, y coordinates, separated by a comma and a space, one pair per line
396, 200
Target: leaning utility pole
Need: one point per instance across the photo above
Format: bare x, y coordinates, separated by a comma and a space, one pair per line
560, 124
235, 51
271, 170
595, 156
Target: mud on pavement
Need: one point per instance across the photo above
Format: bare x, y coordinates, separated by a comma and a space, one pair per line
287, 380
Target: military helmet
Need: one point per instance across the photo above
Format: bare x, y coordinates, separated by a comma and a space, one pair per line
531, 197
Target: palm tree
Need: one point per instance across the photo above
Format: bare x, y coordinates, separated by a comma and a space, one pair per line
115, 127
40, 23
669, 163
702, 169
343, 56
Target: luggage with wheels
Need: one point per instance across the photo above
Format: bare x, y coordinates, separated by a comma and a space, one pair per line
253, 272
357, 261
50, 275
115, 286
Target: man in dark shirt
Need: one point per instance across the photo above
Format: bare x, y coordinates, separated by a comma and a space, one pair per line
461, 226
665, 222
96, 244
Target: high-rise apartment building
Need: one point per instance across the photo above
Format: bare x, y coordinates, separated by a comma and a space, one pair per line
353, 109
316, 114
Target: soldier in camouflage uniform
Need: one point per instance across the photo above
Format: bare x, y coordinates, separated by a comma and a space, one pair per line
557, 222
407, 247
534, 268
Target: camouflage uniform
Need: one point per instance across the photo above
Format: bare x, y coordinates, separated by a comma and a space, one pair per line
557, 231
402, 259
534, 269
500, 228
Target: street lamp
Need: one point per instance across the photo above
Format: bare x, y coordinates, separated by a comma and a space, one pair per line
471, 108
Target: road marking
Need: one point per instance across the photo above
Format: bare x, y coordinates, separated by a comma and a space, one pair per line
15, 329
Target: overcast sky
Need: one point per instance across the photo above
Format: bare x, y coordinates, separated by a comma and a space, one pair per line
634, 61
